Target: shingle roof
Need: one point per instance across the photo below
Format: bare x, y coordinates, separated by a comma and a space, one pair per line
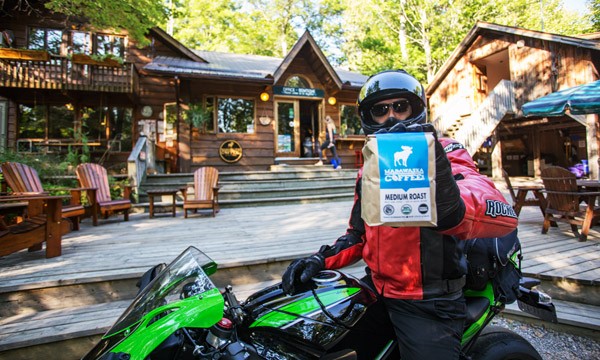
250, 67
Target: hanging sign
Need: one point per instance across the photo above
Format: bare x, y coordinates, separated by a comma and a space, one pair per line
230, 151
295, 91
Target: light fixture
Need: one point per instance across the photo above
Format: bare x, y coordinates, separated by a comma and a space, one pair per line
69, 106
264, 96
332, 100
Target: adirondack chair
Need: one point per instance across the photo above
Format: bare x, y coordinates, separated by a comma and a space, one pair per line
24, 179
566, 203
95, 178
43, 224
520, 199
206, 191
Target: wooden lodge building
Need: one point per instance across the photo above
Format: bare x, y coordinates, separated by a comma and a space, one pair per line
246, 112
195, 108
477, 96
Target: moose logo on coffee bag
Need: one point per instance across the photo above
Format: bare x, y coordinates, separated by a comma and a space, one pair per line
398, 180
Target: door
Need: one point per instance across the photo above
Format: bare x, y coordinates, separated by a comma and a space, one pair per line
287, 134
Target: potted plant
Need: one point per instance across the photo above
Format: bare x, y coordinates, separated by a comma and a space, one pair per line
97, 60
198, 116
24, 54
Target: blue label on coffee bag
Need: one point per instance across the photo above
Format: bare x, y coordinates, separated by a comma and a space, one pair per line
404, 184
403, 160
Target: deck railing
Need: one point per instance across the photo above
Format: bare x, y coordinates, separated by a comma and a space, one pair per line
63, 74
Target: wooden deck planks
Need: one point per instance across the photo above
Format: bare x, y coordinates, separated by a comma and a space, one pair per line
240, 236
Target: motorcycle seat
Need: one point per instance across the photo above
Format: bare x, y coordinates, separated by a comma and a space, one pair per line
476, 307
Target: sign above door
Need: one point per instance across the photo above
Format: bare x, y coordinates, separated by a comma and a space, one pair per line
295, 91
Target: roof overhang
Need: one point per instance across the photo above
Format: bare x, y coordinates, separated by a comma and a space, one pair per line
307, 42
481, 28
175, 45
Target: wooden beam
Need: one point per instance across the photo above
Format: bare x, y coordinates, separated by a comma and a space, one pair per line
487, 50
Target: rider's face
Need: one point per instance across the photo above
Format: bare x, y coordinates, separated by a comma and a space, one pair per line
398, 108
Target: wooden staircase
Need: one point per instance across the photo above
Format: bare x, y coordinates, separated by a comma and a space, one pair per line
474, 130
283, 184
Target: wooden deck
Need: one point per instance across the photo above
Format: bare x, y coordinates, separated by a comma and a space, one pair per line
245, 236
238, 238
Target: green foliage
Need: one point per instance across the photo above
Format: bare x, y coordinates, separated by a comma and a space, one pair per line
198, 116
594, 6
51, 169
134, 16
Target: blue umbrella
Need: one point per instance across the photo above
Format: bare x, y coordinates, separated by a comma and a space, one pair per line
579, 100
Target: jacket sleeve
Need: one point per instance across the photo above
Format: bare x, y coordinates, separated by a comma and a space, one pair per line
348, 248
487, 212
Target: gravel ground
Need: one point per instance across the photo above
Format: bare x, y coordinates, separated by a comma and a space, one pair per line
553, 344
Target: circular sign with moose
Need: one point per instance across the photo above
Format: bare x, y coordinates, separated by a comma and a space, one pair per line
230, 151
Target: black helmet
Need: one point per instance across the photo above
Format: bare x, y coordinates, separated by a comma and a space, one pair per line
388, 85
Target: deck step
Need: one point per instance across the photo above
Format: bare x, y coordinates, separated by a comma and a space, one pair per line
56, 326
284, 184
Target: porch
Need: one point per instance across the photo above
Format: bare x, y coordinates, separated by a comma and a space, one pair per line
61, 305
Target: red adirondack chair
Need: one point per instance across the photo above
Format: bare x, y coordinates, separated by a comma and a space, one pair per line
95, 178
24, 179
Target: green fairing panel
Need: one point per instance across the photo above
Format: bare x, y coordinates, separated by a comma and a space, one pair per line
290, 312
184, 313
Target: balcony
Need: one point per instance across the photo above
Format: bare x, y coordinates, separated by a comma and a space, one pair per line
61, 73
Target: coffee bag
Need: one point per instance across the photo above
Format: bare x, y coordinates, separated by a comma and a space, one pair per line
398, 182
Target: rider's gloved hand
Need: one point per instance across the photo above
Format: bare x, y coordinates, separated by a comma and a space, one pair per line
450, 207
301, 271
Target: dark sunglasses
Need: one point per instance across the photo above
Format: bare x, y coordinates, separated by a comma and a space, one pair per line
399, 106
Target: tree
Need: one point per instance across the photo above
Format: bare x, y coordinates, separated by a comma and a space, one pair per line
134, 16
594, 6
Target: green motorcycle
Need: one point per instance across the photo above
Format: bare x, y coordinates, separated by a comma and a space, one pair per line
180, 314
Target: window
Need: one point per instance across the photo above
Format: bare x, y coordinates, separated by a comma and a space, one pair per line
350, 121
235, 115
297, 81
110, 44
32, 121
81, 42
45, 39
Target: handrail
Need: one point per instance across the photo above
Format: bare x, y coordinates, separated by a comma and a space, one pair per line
137, 164
61, 73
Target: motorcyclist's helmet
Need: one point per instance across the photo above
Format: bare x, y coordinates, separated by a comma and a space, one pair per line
391, 84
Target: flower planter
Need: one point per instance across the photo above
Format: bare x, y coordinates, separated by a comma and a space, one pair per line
84, 59
24, 54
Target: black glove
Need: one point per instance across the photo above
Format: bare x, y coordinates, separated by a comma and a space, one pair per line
449, 205
301, 271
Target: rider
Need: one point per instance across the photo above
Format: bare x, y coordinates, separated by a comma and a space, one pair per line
418, 272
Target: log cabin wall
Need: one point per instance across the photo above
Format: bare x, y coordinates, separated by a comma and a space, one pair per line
534, 64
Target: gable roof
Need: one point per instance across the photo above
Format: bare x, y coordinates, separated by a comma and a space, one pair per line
482, 28
175, 45
307, 42
241, 67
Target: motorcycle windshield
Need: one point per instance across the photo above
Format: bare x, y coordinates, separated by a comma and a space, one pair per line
186, 276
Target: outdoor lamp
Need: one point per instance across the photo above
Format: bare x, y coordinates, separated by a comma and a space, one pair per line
332, 100
264, 96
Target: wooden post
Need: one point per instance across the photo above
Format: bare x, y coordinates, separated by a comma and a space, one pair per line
53, 228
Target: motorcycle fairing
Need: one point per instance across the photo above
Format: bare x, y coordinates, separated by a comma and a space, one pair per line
306, 307
182, 295
304, 319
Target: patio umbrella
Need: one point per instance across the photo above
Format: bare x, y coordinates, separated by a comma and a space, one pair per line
579, 100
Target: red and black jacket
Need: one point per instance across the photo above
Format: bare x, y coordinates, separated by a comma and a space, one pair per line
421, 262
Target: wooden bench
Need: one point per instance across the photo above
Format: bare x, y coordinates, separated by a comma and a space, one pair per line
43, 224
95, 178
23, 179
